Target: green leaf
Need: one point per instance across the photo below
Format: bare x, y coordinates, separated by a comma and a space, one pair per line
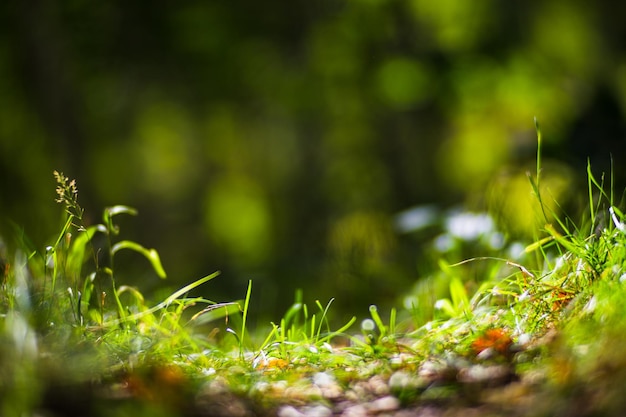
244, 318
76, 255
134, 292
165, 303
151, 254
88, 287
110, 212
446, 307
379, 322
339, 332
215, 312
458, 294
561, 239
537, 245
293, 311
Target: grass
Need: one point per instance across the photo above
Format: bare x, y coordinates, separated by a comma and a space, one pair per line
535, 334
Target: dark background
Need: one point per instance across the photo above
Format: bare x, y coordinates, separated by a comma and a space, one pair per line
277, 140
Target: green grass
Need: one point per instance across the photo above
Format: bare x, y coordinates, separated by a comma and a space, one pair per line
536, 334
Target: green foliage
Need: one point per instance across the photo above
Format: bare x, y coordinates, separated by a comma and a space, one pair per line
550, 314
54, 300
68, 258
261, 140
299, 327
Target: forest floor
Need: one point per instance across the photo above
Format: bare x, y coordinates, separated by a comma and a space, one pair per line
540, 335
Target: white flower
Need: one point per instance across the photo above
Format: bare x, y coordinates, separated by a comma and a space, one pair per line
469, 226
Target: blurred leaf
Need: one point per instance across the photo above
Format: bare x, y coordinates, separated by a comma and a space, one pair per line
133, 291
458, 293
216, 312
76, 256
403, 82
113, 211
151, 254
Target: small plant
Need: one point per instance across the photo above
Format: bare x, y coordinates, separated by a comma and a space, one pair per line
68, 256
300, 328
467, 331
81, 305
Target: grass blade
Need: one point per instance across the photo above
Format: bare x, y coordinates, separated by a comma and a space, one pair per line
165, 303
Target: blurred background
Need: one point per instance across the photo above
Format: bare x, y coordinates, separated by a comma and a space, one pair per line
321, 145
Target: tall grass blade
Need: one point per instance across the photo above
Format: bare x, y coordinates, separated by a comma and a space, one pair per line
323, 318
165, 303
246, 306
536, 185
150, 254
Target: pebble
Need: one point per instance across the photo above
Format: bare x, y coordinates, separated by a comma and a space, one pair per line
308, 411
388, 403
427, 411
329, 387
494, 375
402, 380
357, 410
317, 411
378, 385
323, 379
289, 411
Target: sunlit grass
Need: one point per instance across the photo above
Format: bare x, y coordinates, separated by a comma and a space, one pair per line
544, 317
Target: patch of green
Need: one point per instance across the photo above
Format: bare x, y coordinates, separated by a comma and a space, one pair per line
517, 329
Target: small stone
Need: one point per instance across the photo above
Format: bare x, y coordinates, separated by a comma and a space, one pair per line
323, 379
428, 411
378, 386
494, 375
313, 391
217, 386
355, 411
352, 396
289, 411
317, 411
388, 403
402, 380
399, 380
332, 392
